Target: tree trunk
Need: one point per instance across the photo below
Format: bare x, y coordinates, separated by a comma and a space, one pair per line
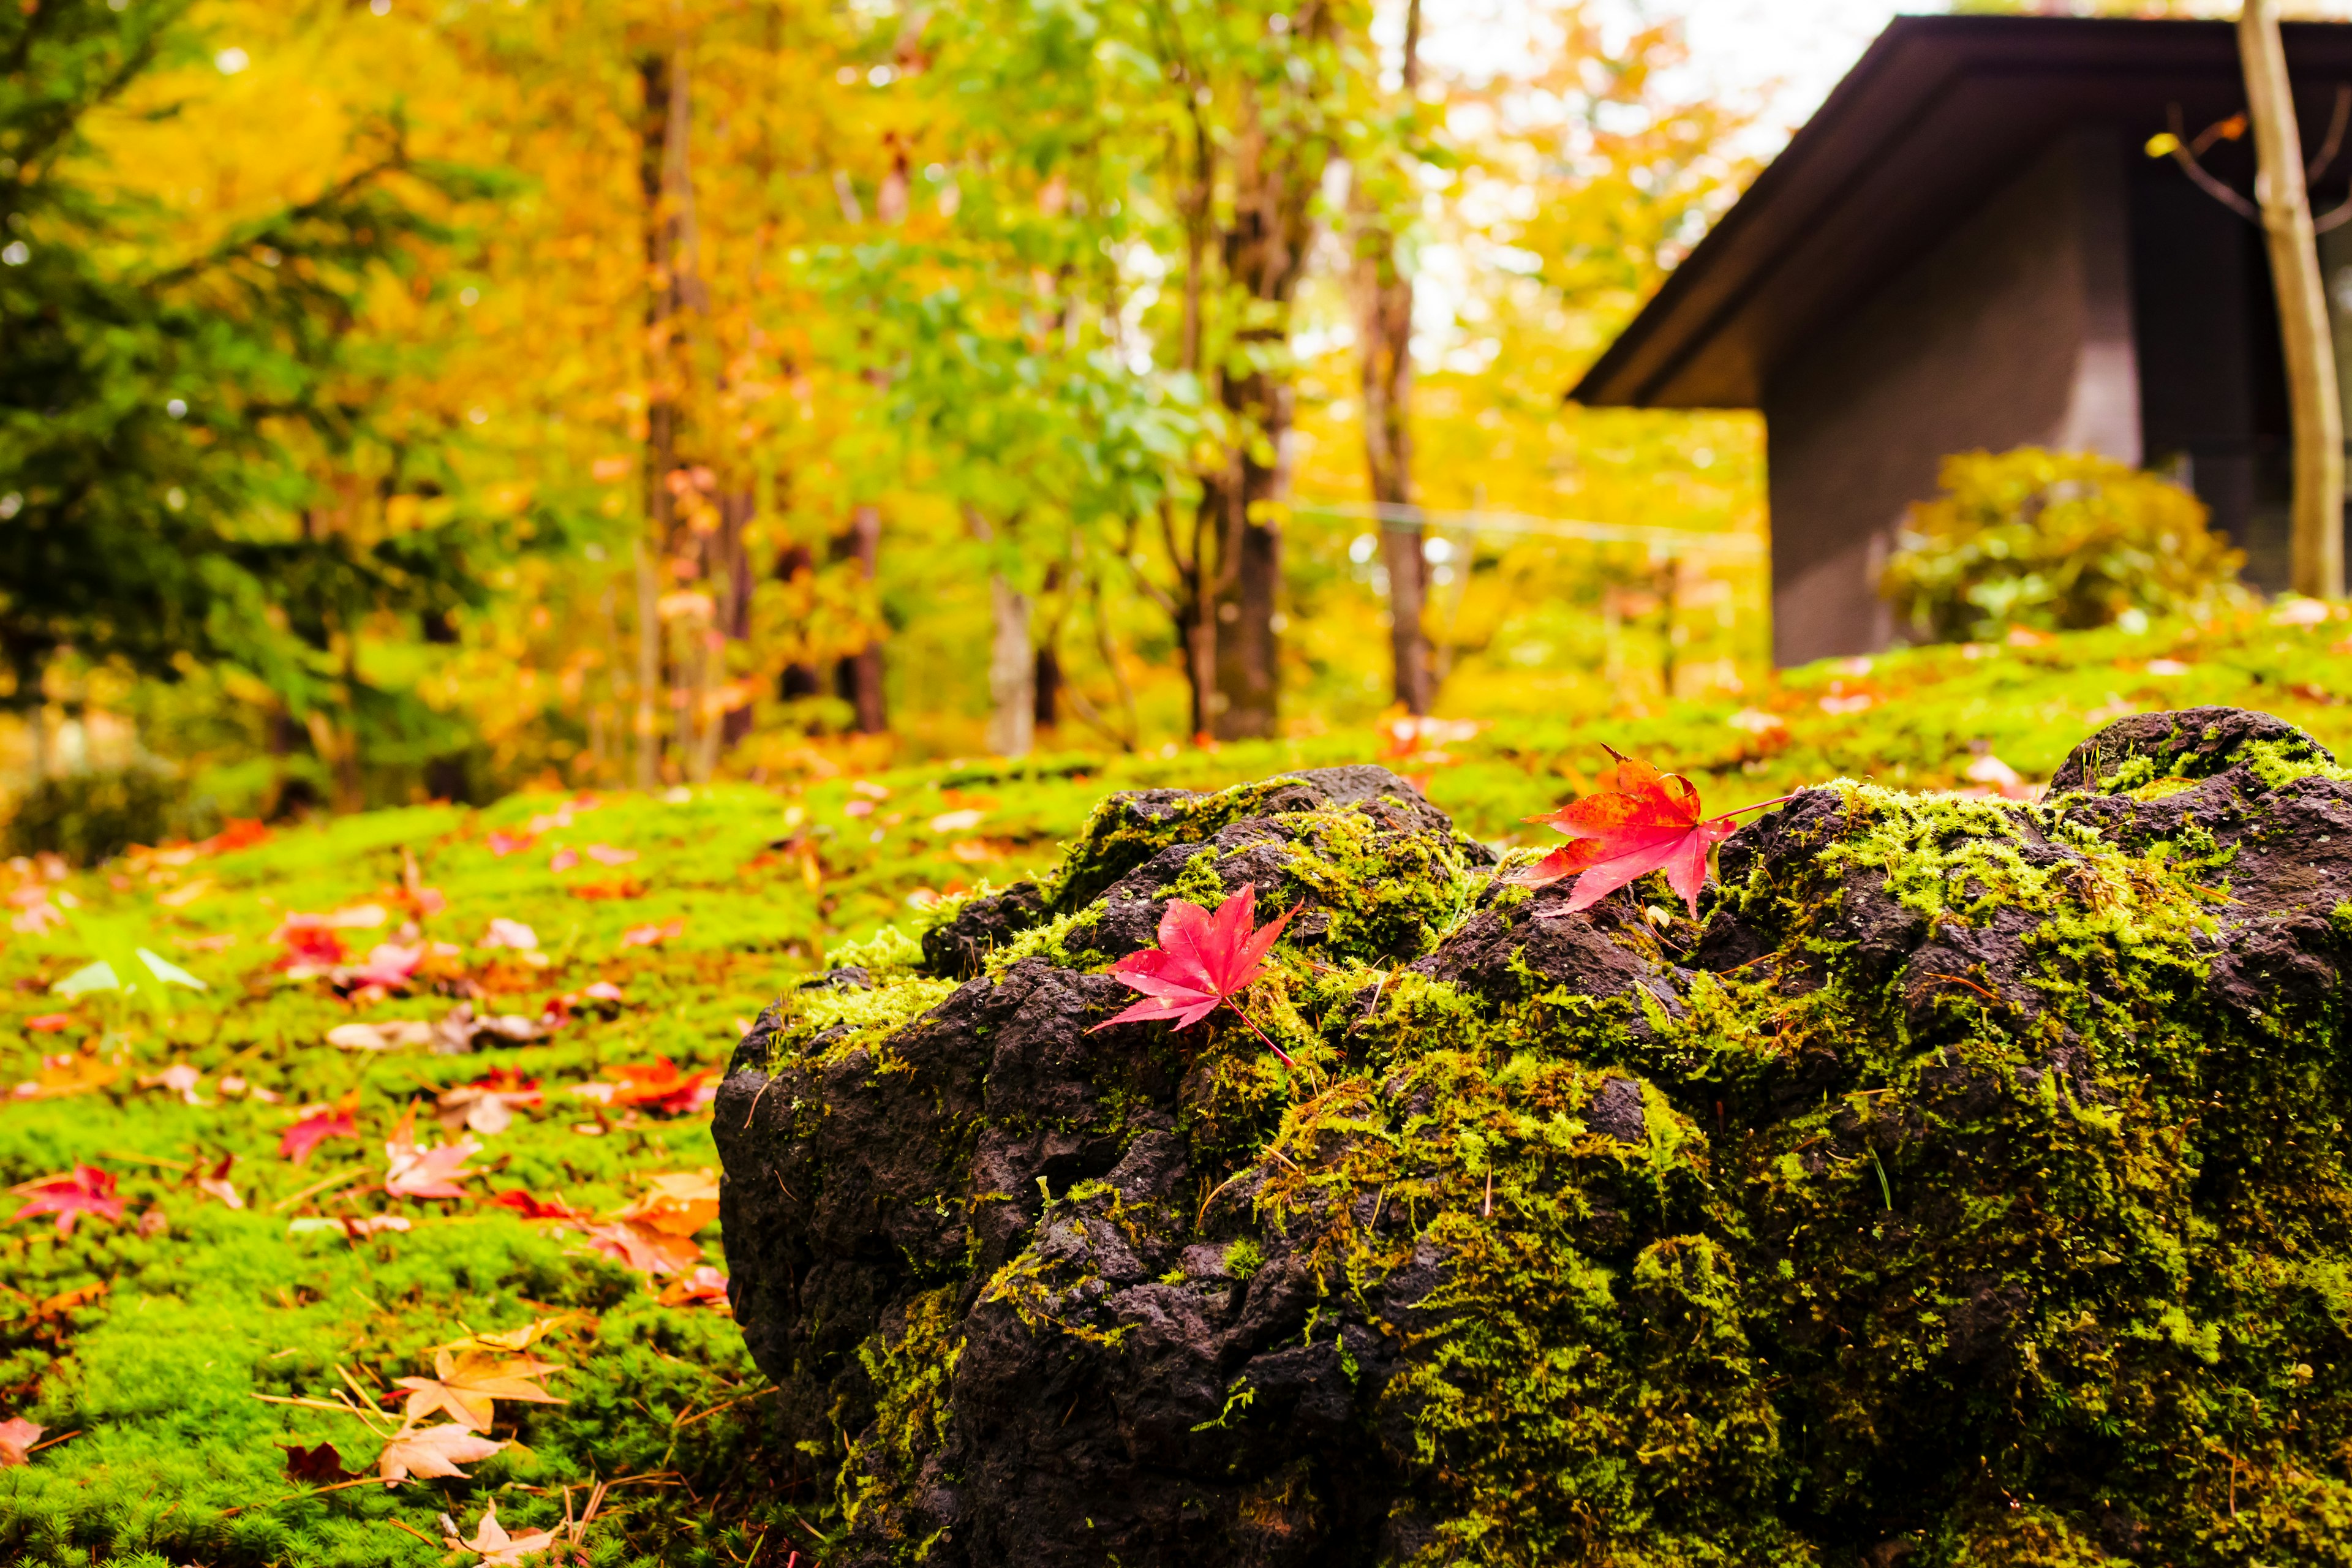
1384, 326
654, 76
1047, 685
2314, 409
1274, 182
1012, 670
731, 581
859, 678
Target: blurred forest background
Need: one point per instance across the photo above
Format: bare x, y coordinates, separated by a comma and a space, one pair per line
411, 402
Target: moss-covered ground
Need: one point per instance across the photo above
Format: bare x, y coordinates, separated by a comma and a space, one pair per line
142, 1345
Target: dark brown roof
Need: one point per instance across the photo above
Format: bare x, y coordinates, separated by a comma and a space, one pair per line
1937, 114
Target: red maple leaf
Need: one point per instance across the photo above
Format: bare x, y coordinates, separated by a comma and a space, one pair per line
661, 1087
1203, 962
1646, 821
87, 1190
297, 1141
531, 1206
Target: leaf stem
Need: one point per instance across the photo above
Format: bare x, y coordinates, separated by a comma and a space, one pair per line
1262, 1034
1776, 800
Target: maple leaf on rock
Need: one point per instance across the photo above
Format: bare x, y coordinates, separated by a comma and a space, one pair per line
436, 1451
467, 1384
85, 1189
1204, 960
1646, 821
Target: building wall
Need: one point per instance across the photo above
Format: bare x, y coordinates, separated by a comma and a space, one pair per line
2212, 377
2016, 330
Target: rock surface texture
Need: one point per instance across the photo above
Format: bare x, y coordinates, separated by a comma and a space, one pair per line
1968, 1185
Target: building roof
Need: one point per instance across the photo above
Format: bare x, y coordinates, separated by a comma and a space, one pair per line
1936, 116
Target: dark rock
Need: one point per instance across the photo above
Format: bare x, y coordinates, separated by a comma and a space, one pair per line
1937, 1197
1616, 1111
2189, 743
956, 949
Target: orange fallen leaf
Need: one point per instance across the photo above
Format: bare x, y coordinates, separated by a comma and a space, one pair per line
677, 1204
467, 1385
704, 1284
644, 1249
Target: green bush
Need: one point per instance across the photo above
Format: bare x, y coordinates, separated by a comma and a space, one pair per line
2054, 542
87, 817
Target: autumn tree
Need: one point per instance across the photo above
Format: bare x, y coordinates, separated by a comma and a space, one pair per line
190, 422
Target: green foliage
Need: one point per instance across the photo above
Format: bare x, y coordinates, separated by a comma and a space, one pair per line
187, 427
2054, 542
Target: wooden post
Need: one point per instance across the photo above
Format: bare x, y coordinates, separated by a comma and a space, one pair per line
2313, 402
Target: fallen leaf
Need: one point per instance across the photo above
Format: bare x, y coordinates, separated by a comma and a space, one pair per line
704, 1284
677, 1204
643, 1248
180, 1078
531, 1207
504, 932
488, 1105
1646, 821
563, 860
67, 1073
297, 1141
86, 1190
182, 897
318, 1465
505, 844
48, 1022
657, 1085
432, 1171
499, 1550
1203, 962
390, 1034
388, 964
515, 1339
467, 1384
65, 1301
606, 854
648, 935
352, 1227
18, 1437
436, 1451
216, 1184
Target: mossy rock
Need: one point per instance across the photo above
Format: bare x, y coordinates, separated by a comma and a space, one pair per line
1968, 1185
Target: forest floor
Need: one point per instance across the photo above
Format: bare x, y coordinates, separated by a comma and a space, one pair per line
286, 1195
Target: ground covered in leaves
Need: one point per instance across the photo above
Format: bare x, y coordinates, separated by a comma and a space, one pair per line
214, 1352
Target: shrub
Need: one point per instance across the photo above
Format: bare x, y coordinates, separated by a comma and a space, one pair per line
2056, 541
87, 817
